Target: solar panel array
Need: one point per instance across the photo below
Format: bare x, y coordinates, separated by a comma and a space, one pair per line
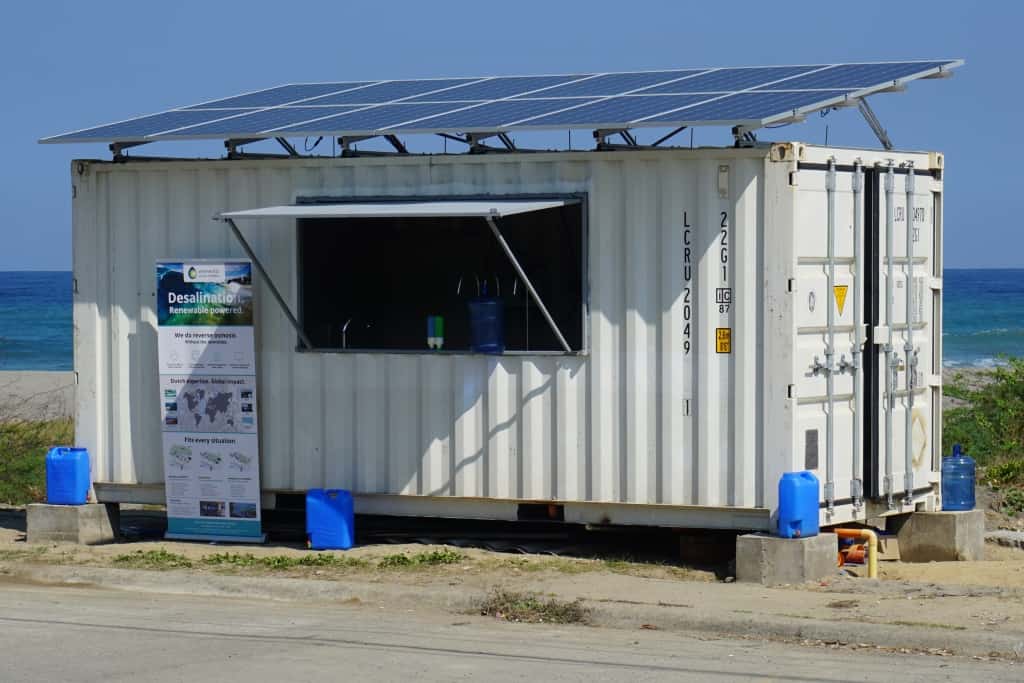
748, 96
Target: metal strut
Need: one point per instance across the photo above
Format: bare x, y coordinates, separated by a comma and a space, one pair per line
891, 361
492, 223
346, 142
869, 115
270, 283
859, 295
288, 147
601, 135
908, 346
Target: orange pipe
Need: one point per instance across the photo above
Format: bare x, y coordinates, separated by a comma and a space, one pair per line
872, 541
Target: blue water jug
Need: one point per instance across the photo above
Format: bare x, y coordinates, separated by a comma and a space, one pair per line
958, 481
486, 325
67, 476
330, 521
798, 505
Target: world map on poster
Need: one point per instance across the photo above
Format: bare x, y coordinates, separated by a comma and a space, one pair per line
222, 404
209, 410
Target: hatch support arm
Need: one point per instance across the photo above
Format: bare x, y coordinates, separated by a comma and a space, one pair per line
492, 223
869, 115
270, 283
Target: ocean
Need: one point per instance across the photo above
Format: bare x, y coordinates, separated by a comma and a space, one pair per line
35, 320
983, 318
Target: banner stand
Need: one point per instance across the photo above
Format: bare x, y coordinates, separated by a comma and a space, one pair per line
209, 424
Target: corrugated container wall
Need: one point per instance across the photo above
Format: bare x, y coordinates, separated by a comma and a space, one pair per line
652, 413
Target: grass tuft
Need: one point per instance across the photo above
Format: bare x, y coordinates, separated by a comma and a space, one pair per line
153, 559
283, 562
426, 559
531, 608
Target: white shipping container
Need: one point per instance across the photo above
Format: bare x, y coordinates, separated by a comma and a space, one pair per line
704, 370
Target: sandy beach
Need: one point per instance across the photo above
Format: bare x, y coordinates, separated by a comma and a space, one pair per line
36, 395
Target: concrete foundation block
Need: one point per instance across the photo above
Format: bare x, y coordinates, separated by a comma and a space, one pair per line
84, 524
771, 560
942, 536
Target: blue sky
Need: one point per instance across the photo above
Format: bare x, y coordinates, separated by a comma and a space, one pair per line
67, 65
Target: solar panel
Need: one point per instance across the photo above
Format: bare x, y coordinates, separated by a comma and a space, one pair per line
749, 96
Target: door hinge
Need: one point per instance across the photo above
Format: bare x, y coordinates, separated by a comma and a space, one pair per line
794, 178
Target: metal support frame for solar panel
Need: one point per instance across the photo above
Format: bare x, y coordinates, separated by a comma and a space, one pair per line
876, 126
745, 99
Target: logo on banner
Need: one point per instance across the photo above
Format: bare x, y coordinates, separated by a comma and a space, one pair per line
205, 272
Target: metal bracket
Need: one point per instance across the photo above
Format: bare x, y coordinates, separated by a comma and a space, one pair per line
602, 135
869, 115
232, 146
346, 142
117, 148
743, 136
476, 146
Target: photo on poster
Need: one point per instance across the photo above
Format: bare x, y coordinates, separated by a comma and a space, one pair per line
212, 508
243, 510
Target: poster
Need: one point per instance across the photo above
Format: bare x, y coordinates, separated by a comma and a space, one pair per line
207, 358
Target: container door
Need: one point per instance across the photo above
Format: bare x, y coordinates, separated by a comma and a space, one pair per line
903, 357
829, 431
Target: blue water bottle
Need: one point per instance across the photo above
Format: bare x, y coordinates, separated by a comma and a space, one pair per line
957, 481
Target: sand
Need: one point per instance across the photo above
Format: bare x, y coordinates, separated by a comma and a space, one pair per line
36, 395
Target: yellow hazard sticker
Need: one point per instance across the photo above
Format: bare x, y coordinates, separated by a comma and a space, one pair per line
840, 292
723, 340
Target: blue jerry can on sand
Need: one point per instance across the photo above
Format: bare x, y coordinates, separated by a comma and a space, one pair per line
67, 476
798, 505
330, 519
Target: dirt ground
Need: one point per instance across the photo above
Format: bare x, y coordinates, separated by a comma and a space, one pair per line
1002, 569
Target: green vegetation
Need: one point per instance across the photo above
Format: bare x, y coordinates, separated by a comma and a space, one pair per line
426, 559
533, 609
23, 447
281, 562
153, 559
162, 559
990, 426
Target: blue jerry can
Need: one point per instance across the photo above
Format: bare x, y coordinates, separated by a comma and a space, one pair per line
330, 519
67, 476
798, 505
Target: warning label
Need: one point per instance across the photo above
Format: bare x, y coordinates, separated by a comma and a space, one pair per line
840, 293
723, 340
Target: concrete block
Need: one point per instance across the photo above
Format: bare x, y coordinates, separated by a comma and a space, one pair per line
943, 536
770, 560
84, 524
